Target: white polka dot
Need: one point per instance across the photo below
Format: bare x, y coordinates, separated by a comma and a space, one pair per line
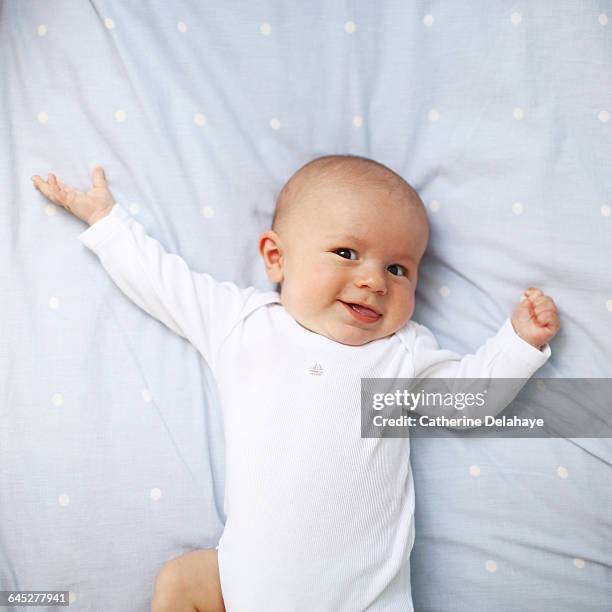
71, 597
54, 303
181, 26
357, 121
134, 208
491, 566
518, 113
155, 493
57, 399
199, 119
50, 210
265, 29
63, 500
41, 29
516, 18
562, 472
474, 470
109, 23
609, 305
120, 115
606, 211
350, 27
428, 20
579, 563
518, 208
434, 205
603, 19
603, 116
147, 396
208, 212
42, 117
444, 291
275, 123
433, 115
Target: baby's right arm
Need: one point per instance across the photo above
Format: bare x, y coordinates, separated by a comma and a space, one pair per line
192, 304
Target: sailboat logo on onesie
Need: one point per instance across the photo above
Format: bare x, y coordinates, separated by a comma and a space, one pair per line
316, 369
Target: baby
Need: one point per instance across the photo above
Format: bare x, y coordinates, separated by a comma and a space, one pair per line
318, 519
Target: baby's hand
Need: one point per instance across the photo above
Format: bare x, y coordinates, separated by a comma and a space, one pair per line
87, 206
535, 318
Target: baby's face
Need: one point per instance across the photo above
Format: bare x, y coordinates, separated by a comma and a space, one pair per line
350, 261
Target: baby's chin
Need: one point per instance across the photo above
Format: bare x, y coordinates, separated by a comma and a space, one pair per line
359, 339
338, 327
340, 332
357, 336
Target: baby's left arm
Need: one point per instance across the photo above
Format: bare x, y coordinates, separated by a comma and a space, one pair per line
516, 352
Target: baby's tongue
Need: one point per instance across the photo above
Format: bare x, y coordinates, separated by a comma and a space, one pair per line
366, 312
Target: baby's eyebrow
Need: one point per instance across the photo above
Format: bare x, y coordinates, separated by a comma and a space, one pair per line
346, 238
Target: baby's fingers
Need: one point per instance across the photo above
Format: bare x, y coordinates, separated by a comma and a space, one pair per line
51, 189
546, 312
98, 177
549, 319
44, 187
544, 303
532, 293
547, 316
38, 182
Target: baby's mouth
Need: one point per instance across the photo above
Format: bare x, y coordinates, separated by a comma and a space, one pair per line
362, 313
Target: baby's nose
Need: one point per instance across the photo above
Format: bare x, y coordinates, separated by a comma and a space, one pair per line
373, 280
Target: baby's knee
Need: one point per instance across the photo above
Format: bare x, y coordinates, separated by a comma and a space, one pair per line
168, 589
189, 583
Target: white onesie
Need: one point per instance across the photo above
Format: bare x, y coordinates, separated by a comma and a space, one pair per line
319, 519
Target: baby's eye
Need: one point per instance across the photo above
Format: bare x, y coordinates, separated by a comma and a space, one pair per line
401, 271
346, 253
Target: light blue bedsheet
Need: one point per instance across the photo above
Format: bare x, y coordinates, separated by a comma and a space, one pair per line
111, 444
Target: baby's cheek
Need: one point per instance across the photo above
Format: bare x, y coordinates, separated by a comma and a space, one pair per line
306, 296
407, 308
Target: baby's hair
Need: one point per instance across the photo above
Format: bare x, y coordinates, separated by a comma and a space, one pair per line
346, 169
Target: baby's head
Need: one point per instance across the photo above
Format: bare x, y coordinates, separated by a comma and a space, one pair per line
348, 233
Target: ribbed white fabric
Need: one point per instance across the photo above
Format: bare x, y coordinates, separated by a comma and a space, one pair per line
318, 518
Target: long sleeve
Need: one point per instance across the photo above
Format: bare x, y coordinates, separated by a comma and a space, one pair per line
191, 304
506, 361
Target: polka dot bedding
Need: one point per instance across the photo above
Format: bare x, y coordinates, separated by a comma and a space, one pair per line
111, 443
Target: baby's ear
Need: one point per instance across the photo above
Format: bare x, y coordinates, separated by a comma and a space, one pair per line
271, 251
